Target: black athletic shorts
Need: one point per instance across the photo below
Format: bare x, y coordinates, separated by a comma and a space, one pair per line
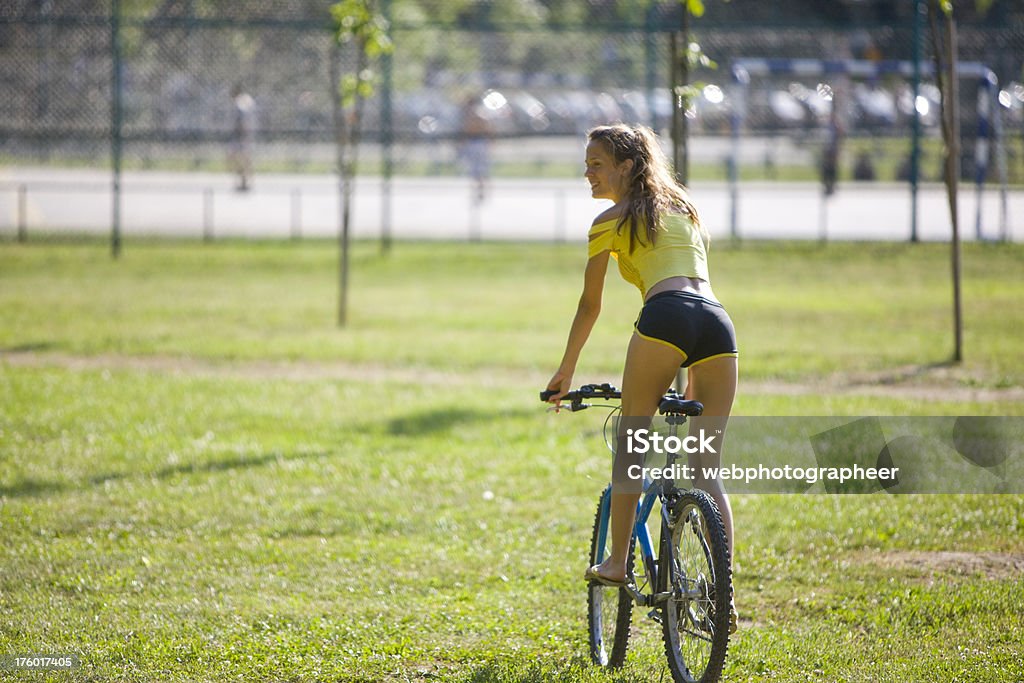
696, 327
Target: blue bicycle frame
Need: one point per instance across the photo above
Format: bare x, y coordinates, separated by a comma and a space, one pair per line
651, 493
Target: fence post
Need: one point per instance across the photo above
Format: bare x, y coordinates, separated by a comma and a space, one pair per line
560, 216
296, 213
23, 213
387, 138
208, 214
474, 217
915, 140
116, 116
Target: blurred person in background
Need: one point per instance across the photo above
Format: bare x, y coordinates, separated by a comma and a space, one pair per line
655, 234
864, 168
243, 135
475, 145
830, 151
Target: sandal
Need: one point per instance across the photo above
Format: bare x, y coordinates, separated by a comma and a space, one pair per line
592, 575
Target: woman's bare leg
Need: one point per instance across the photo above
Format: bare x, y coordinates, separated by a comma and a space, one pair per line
713, 383
650, 370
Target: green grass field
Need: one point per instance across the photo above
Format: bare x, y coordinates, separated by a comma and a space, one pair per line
203, 478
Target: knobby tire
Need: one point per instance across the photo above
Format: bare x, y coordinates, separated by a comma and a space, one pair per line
596, 595
713, 614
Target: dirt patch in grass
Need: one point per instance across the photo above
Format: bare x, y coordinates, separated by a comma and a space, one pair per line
294, 370
922, 384
934, 564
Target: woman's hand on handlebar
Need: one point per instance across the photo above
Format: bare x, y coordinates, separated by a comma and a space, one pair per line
561, 384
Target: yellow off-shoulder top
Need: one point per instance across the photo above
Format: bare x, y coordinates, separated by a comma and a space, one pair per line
679, 249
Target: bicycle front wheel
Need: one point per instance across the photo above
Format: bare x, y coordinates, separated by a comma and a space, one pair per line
694, 569
609, 610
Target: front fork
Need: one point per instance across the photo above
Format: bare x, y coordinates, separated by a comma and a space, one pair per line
642, 536
652, 491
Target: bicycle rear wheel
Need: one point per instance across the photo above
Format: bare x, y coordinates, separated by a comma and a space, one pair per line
694, 568
609, 610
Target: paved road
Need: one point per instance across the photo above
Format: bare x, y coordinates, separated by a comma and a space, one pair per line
187, 204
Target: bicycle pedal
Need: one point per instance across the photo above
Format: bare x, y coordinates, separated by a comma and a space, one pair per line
655, 614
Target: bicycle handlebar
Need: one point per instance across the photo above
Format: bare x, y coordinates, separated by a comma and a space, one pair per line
672, 403
587, 391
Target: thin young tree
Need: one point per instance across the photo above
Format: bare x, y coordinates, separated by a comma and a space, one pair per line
685, 54
360, 28
944, 43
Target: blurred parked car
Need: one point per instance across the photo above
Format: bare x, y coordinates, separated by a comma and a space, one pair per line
817, 101
528, 113
1011, 99
874, 106
498, 113
425, 113
634, 106
928, 103
713, 110
786, 109
651, 108
576, 111
561, 119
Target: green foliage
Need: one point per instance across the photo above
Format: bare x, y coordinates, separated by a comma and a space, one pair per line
357, 22
695, 58
984, 6
694, 7
518, 12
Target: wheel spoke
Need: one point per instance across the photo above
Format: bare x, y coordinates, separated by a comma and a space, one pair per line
700, 583
696, 634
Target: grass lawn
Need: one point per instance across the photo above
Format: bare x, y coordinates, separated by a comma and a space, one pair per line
203, 478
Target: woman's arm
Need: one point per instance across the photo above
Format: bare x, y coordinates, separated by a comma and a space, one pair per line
587, 311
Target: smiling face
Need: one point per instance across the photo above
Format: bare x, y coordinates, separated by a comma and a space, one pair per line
607, 179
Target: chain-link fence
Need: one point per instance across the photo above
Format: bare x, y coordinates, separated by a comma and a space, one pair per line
489, 89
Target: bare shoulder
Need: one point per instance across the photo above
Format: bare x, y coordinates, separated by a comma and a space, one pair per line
612, 213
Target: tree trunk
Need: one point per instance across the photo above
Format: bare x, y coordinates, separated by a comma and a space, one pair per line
944, 41
680, 76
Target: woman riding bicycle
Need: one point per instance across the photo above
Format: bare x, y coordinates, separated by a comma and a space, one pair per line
654, 233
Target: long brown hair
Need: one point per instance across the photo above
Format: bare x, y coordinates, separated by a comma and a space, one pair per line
653, 189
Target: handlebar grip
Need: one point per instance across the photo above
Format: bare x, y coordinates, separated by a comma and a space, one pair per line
547, 394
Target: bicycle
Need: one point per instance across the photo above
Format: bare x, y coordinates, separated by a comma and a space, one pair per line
688, 583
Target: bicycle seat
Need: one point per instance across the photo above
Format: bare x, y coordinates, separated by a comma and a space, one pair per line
679, 406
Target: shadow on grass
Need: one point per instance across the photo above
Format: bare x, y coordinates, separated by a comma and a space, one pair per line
31, 488
441, 420
912, 373
528, 670
27, 347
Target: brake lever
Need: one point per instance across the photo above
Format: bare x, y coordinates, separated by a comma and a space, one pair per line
573, 407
